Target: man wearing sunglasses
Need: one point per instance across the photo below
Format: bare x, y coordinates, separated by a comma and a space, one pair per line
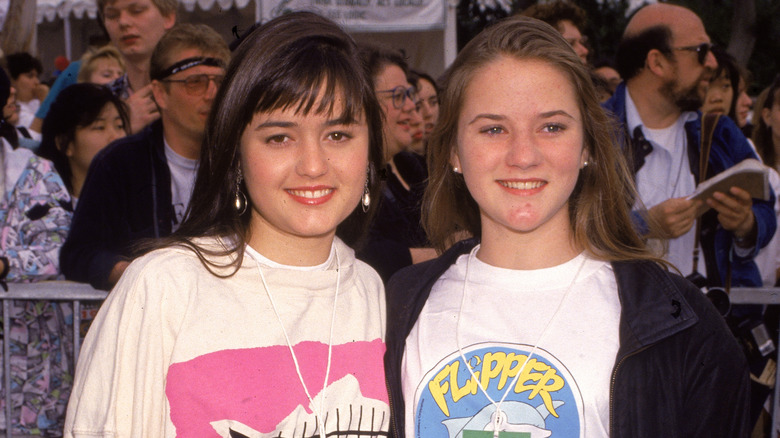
663, 57
140, 186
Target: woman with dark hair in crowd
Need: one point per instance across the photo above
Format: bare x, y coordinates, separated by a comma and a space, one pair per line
724, 90
727, 91
25, 71
396, 236
766, 122
83, 120
427, 105
556, 319
766, 140
255, 318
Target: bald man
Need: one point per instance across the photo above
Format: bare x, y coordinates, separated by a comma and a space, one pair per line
663, 57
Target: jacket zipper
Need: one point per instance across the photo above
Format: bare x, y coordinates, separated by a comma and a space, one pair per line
393, 424
612, 386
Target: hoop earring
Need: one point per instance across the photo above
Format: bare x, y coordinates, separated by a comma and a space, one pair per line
365, 201
240, 201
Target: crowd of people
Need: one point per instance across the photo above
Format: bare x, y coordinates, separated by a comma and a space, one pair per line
510, 247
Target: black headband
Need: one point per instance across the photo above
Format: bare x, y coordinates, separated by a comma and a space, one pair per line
188, 63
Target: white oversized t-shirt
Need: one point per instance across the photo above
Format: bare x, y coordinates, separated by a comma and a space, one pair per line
564, 388
177, 351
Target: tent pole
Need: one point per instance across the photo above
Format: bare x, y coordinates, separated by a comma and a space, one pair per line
451, 32
68, 51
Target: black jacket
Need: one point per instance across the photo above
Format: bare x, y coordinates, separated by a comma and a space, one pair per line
126, 197
679, 372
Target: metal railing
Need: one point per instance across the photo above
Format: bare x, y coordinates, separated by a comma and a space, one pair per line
77, 292
770, 296
47, 290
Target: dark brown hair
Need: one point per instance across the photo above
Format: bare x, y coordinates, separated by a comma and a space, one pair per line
554, 12
76, 107
285, 63
762, 133
598, 206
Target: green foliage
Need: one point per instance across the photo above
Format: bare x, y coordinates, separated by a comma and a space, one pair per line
606, 22
765, 60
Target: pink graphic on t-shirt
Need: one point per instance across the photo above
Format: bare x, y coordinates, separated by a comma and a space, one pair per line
259, 387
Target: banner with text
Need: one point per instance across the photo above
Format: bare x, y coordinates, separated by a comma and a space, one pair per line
367, 15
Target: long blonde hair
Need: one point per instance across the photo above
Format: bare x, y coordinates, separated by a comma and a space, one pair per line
599, 206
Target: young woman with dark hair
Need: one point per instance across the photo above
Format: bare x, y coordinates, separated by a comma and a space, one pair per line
83, 120
724, 88
255, 318
396, 236
555, 320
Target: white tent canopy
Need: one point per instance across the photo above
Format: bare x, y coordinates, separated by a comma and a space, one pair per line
425, 28
50, 10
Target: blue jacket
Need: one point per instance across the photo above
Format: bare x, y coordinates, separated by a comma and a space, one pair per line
729, 147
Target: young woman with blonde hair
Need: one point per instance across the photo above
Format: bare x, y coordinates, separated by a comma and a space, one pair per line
555, 319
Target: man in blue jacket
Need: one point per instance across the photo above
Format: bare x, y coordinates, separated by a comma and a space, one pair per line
664, 57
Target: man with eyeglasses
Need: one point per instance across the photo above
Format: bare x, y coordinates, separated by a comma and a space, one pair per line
663, 57
140, 186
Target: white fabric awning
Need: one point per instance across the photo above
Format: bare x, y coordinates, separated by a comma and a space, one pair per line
50, 10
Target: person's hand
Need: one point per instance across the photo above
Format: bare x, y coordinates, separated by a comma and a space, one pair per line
735, 211
673, 217
143, 110
40, 91
117, 271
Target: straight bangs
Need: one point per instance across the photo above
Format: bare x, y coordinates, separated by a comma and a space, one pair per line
313, 83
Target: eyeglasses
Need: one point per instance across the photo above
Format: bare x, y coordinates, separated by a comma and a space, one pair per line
400, 94
197, 85
701, 51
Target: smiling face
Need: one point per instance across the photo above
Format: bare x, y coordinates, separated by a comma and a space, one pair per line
520, 149
304, 174
135, 27
719, 95
396, 129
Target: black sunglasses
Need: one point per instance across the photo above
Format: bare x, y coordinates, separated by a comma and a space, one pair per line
701, 51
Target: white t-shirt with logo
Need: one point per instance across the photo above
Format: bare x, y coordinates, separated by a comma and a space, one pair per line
564, 388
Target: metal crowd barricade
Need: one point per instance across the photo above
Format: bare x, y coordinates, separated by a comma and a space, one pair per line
762, 295
47, 290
